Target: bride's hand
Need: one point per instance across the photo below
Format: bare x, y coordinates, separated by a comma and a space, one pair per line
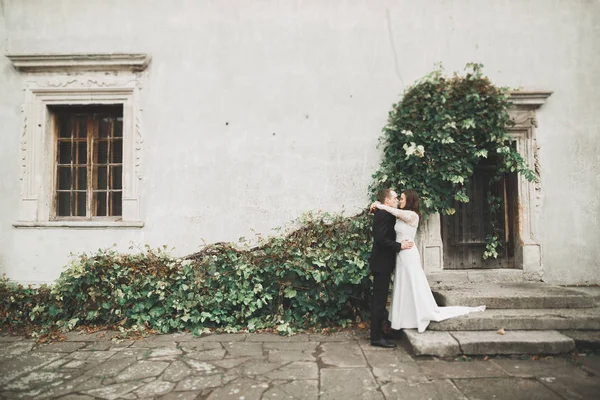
373, 206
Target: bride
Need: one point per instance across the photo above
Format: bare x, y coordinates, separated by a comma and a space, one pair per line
413, 305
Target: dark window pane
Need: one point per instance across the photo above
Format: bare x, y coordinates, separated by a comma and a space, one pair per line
81, 178
65, 126
116, 151
116, 177
104, 127
102, 152
64, 204
83, 122
64, 152
64, 178
80, 199
82, 152
116, 207
101, 204
118, 129
102, 178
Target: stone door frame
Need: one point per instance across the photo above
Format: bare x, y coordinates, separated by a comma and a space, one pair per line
528, 254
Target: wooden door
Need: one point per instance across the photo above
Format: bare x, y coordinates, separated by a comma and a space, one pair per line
464, 232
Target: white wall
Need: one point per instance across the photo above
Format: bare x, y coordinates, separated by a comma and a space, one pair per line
255, 112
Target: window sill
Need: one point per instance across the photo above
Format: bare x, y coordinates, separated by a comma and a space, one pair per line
79, 224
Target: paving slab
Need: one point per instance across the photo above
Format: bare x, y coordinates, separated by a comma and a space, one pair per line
141, 370
441, 344
289, 356
401, 372
246, 388
524, 319
194, 345
289, 346
115, 391
208, 355
199, 383
511, 295
175, 337
9, 339
81, 383
513, 342
60, 347
230, 362
342, 355
111, 367
348, 383
24, 363
295, 371
295, 390
201, 367
556, 367
334, 337
12, 349
181, 396
575, 386
154, 388
460, 369
504, 389
235, 350
37, 379
441, 389
257, 367
590, 363
176, 372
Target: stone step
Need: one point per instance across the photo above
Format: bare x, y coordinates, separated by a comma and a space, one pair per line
523, 319
514, 295
584, 340
446, 344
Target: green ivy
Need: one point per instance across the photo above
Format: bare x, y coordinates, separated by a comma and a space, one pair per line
436, 135
313, 277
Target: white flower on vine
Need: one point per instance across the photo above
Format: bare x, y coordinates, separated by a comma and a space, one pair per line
409, 150
407, 133
419, 150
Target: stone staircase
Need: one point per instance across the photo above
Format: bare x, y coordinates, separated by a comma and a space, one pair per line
535, 318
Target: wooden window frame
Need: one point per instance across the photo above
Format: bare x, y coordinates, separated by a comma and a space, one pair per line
92, 139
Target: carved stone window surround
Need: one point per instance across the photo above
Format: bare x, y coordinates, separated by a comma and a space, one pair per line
76, 80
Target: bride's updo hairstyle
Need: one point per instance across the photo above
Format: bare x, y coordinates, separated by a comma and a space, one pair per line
412, 201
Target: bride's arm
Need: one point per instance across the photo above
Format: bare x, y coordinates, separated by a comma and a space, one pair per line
410, 217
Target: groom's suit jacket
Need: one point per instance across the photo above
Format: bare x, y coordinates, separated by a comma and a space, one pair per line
385, 247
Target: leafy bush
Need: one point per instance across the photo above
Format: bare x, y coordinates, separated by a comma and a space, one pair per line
315, 276
436, 135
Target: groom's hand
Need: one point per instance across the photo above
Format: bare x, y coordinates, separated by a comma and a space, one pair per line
406, 244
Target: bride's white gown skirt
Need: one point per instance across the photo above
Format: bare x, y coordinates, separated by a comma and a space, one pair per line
413, 304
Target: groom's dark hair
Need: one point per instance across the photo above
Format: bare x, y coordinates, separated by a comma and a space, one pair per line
384, 194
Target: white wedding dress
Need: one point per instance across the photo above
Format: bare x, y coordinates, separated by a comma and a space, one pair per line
413, 304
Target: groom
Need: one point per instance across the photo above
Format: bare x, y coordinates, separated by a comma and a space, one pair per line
383, 262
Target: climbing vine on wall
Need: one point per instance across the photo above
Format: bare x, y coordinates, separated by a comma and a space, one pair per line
438, 132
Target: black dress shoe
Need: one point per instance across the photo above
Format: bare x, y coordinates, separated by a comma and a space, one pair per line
388, 336
382, 343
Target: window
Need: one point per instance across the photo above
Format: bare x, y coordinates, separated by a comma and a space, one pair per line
81, 140
89, 161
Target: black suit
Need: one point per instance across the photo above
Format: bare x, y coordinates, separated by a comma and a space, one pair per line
383, 262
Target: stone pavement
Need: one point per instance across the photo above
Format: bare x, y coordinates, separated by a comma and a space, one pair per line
266, 366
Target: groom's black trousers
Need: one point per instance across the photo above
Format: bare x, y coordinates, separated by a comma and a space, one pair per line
381, 286
382, 262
